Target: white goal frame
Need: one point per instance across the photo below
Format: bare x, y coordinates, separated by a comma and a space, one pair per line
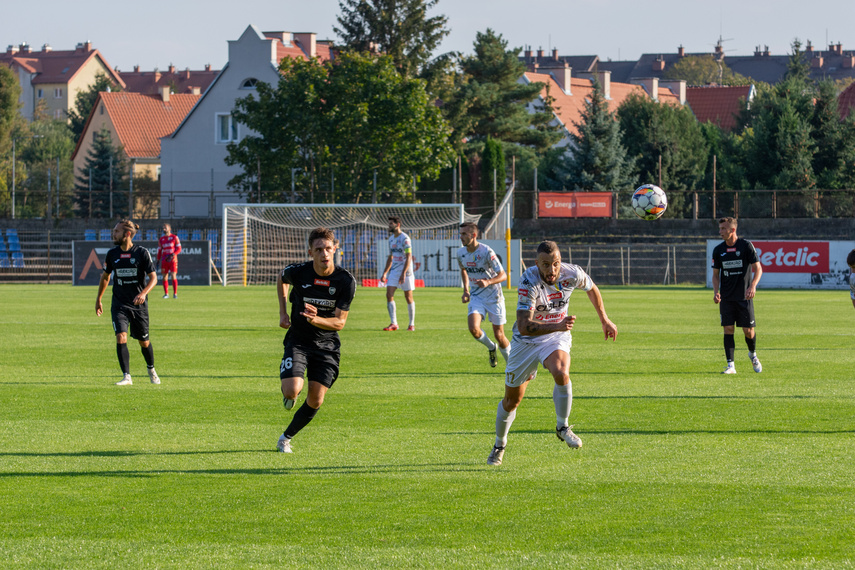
259, 240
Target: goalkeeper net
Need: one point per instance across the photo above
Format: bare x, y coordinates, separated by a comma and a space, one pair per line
259, 240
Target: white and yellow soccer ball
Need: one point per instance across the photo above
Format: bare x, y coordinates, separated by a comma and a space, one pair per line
649, 202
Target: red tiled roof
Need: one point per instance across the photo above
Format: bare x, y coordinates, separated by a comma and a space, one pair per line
297, 50
846, 101
142, 120
56, 66
569, 108
717, 104
150, 82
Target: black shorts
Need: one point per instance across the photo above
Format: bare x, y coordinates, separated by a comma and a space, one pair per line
740, 313
321, 365
133, 318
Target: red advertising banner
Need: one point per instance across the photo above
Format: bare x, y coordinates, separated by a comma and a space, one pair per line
793, 256
575, 205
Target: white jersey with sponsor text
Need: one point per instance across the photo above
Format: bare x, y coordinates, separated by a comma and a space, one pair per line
399, 246
482, 264
549, 302
852, 284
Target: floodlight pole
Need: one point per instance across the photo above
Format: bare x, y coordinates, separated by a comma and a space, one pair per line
13, 177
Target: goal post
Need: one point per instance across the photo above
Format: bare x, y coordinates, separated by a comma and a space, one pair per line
259, 240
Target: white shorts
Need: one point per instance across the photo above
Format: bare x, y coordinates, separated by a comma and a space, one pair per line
526, 356
494, 311
395, 274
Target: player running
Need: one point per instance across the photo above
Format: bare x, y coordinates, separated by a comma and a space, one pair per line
542, 335
480, 267
320, 297
168, 248
129, 265
734, 260
399, 269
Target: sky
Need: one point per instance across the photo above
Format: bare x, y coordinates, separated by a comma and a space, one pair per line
157, 33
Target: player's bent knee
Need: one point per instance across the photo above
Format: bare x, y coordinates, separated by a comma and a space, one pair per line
475, 333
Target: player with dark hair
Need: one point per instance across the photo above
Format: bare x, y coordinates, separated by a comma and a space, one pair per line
850, 261
320, 296
482, 274
542, 335
129, 265
736, 273
399, 269
168, 248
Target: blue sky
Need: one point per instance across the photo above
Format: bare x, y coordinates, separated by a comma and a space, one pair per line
158, 33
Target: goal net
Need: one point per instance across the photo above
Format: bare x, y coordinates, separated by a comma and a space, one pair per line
259, 240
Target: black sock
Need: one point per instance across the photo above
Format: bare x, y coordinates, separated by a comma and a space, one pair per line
752, 343
148, 354
729, 347
301, 419
124, 357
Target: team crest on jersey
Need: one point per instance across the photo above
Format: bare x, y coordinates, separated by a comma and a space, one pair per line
323, 282
565, 283
332, 290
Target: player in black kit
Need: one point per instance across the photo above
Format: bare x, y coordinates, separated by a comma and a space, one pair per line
320, 297
734, 287
129, 265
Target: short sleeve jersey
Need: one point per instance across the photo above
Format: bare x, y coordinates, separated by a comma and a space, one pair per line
399, 247
168, 245
734, 263
327, 293
549, 302
852, 285
129, 269
482, 264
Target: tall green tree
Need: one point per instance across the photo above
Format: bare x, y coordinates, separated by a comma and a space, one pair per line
494, 161
10, 94
597, 160
102, 180
340, 122
834, 161
85, 100
400, 29
654, 131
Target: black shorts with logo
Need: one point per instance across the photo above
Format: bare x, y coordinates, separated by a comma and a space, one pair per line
321, 365
740, 313
133, 318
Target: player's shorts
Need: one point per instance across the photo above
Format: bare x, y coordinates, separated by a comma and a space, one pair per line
313, 364
740, 313
525, 357
395, 274
169, 266
495, 311
131, 318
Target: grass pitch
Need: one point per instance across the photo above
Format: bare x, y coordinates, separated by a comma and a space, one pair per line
681, 467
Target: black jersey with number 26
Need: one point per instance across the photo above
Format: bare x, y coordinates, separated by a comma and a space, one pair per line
129, 269
733, 263
326, 292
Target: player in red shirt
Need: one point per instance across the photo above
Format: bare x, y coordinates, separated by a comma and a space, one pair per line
168, 248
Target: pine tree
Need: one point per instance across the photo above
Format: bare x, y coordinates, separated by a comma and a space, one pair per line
597, 160
104, 171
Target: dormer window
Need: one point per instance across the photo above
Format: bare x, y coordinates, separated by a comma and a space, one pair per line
249, 83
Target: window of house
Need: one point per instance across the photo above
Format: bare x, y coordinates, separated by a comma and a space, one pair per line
226, 129
57, 114
57, 93
41, 93
249, 83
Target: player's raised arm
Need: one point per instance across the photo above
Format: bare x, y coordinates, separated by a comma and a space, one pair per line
609, 328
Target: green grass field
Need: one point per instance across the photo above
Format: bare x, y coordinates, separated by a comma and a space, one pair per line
681, 468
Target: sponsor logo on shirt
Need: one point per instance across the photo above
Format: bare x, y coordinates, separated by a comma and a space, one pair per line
735, 264
556, 295
327, 303
124, 256
323, 282
126, 272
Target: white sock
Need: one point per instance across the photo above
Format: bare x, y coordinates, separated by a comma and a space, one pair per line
505, 351
411, 310
486, 341
563, 398
393, 318
503, 424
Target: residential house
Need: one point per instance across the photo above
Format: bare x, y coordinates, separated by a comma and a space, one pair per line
570, 93
136, 123
178, 81
846, 101
194, 175
719, 104
53, 78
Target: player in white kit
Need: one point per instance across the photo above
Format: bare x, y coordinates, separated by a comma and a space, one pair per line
850, 261
483, 275
542, 335
399, 270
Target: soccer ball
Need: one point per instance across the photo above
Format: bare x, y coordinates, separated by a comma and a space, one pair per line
649, 202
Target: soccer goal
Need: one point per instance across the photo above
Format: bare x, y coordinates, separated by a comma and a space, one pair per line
259, 240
